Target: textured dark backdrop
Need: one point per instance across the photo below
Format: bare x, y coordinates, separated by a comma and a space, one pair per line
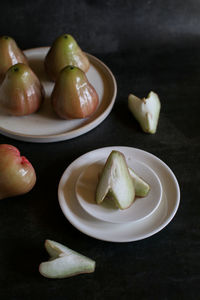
149, 45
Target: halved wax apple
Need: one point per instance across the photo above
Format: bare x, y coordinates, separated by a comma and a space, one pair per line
64, 262
146, 111
115, 182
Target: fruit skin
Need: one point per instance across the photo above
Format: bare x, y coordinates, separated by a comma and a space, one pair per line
115, 182
73, 96
64, 262
64, 52
146, 111
21, 92
17, 175
10, 54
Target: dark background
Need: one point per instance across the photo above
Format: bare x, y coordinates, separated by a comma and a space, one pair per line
149, 45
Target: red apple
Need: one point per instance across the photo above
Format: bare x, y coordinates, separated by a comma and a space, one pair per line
17, 175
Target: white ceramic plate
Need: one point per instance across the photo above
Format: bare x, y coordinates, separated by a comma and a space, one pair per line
126, 232
44, 126
107, 211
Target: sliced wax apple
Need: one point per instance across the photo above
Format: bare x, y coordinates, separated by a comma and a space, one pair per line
141, 187
64, 262
115, 182
146, 111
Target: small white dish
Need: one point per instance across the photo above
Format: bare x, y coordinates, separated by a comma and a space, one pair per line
107, 211
126, 232
45, 126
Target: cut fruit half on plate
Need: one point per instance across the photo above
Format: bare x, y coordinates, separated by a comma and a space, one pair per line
115, 182
131, 231
141, 208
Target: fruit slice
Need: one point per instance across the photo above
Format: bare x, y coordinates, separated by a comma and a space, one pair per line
21, 92
115, 182
141, 187
146, 111
17, 175
10, 54
64, 262
64, 52
73, 96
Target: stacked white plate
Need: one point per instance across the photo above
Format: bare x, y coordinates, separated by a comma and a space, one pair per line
145, 217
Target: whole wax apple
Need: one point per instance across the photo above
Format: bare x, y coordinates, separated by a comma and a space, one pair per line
73, 96
21, 92
64, 52
17, 175
10, 54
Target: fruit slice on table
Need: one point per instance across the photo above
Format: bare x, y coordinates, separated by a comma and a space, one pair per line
146, 111
10, 54
64, 262
21, 92
64, 52
73, 96
115, 182
141, 187
17, 175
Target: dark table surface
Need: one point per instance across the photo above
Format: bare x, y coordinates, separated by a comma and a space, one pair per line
149, 45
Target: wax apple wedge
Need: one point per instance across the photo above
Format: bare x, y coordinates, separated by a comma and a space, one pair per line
64, 262
21, 92
146, 111
17, 175
64, 52
115, 182
141, 187
73, 96
10, 54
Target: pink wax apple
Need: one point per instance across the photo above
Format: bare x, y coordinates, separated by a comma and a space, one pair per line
17, 175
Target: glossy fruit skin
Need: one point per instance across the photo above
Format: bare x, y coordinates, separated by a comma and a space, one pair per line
64, 52
21, 92
17, 175
10, 54
73, 96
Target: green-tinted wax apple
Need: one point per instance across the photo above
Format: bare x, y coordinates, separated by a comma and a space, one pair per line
10, 54
64, 52
21, 92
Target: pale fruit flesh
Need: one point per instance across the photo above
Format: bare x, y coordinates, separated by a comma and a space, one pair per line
146, 111
17, 175
141, 187
64, 262
115, 182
